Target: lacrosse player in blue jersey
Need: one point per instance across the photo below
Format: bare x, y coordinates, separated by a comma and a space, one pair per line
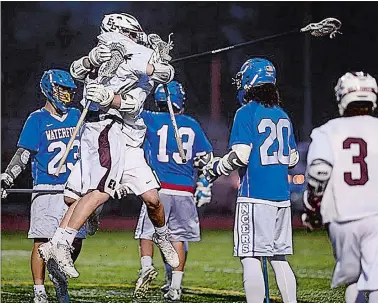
43, 139
263, 148
177, 181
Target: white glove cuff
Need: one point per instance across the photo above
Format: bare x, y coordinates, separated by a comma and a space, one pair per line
78, 70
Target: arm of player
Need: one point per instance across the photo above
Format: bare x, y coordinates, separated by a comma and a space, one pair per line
14, 169
238, 157
80, 68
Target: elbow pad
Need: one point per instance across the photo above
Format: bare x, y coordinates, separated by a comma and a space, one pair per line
130, 103
163, 73
78, 70
294, 158
318, 175
18, 162
238, 157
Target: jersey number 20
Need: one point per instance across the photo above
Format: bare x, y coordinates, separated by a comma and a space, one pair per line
276, 133
53, 164
162, 156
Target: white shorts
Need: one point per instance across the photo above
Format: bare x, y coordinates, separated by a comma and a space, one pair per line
262, 230
106, 162
181, 217
46, 213
355, 245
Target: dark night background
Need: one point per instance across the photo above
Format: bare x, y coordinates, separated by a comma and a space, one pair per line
37, 36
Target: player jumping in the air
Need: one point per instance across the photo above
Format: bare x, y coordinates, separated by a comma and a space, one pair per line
342, 185
177, 181
110, 146
263, 148
43, 140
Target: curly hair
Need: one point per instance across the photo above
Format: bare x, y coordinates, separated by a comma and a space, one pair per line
267, 94
358, 108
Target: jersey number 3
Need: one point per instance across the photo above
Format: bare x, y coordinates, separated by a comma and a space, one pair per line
359, 159
162, 156
268, 155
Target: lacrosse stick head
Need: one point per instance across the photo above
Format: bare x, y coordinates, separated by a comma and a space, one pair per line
176, 94
160, 47
328, 26
58, 87
356, 87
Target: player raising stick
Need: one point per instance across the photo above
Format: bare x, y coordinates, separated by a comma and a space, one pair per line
43, 140
110, 152
263, 148
342, 177
177, 181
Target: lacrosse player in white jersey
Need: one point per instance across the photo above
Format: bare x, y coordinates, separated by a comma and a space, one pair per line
343, 185
111, 138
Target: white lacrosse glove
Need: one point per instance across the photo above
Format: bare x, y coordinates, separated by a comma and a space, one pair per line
203, 192
122, 191
6, 182
99, 94
99, 55
210, 171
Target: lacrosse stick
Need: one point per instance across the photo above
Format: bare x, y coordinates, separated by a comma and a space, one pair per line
34, 191
328, 26
105, 72
266, 281
175, 128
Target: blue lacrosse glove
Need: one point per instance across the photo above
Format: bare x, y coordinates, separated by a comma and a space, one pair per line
210, 171
203, 192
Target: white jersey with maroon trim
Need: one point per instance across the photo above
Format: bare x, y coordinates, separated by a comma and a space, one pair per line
350, 145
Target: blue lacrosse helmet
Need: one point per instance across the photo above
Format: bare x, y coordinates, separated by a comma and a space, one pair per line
176, 93
54, 78
254, 72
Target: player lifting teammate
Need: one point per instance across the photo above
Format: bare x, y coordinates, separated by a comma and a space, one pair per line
342, 185
110, 152
43, 140
263, 148
177, 181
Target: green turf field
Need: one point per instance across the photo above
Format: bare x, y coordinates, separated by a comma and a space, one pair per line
109, 263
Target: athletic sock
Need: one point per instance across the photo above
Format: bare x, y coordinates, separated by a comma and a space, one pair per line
68, 236
253, 280
176, 279
146, 261
58, 235
285, 280
161, 230
39, 289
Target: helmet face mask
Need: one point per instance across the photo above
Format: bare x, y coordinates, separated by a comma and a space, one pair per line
254, 72
355, 87
58, 87
176, 94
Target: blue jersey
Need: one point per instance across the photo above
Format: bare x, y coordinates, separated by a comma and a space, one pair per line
46, 136
162, 153
270, 133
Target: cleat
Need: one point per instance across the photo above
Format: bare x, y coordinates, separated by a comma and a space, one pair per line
59, 279
61, 253
170, 255
165, 287
40, 298
146, 276
173, 294
93, 222
45, 251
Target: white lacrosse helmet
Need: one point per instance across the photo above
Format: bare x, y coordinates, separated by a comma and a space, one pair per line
356, 86
124, 24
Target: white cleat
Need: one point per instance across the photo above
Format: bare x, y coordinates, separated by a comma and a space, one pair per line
59, 279
165, 287
167, 249
40, 298
173, 294
146, 276
61, 253
45, 251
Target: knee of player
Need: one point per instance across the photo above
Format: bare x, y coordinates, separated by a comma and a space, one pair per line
69, 200
151, 199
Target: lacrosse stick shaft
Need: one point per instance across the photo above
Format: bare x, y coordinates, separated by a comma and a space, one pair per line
175, 128
73, 137
266, 281
34, 191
